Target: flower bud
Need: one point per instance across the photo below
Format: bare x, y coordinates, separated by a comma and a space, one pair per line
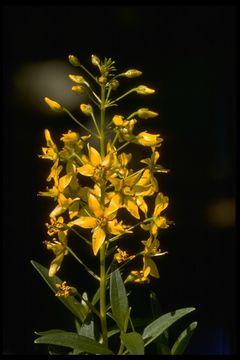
78, 89
114, 84
145, 113
74, 60
102, 80
144, 90
86, 109
132, 73
77, 79
146, 139
53, 105
95, 60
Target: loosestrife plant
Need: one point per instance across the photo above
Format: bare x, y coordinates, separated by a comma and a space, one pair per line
101, 197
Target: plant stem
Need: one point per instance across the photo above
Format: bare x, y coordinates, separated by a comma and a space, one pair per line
82, 263
103, 312
103, 295
78, 122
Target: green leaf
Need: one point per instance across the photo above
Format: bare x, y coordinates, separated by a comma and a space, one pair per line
162, 341
47, 332
158, 326
118, 298
182, 341
70, 302
74, 341
133, 342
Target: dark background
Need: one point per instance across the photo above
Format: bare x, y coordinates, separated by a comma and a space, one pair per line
188, 53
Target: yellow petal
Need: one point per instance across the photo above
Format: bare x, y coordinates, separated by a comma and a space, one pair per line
131, 207
114, 205
95, 206
94, 156
98, 239
86, 170
86, 222
64, 182
148, 262
161, 222
161, 202
141, 203
117, 120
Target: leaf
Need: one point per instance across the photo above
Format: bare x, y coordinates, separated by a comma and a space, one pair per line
158, 326
47, 332
157, 312
70, 302
74, 341
182, 341
118, 298
133, 342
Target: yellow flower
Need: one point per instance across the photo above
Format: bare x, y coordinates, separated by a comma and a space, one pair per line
125, 127
59, 248
132, 188
53, 105
63, 290
151, 249
122, 255
71, 136
139, 276
146, 139
51, 151
78, 89
102, 221
161, 202
95, 167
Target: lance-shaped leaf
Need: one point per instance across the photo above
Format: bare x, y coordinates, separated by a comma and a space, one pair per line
70, 302
133, 342
118, 298
182, 341
74, 341
158, 326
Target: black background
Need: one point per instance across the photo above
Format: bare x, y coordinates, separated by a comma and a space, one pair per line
188, 53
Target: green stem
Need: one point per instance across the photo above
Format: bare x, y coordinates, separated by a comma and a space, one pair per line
103, 295
95, 123
82, 263
103, 312
78, 122
122, 96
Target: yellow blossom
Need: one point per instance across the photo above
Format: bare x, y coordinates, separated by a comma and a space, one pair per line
59, 248
125, 127
151, 249
122, 256
96, 167
139, 276
132, 73
63, 290
158, 221
51, 151
146, 139
102, 220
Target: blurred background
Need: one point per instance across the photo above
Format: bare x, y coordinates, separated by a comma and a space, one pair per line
187, 53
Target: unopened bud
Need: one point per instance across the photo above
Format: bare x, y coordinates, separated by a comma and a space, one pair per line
53, 105
78, 89
86, 109
114, 84
102, 80
132, 73
95, 60
74, 60
144, 90
78, 79
145, 113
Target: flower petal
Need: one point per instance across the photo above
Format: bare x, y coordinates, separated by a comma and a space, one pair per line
148, 262
86, 170
95, 205
98, 239
131, 206
86, 222
94, 156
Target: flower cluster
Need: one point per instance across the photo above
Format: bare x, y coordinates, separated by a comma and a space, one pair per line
112, 182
